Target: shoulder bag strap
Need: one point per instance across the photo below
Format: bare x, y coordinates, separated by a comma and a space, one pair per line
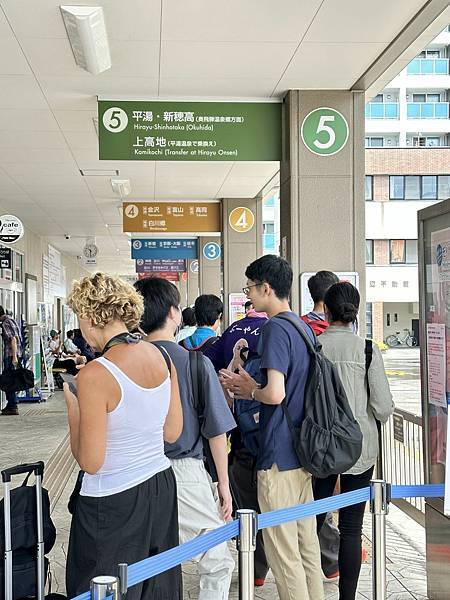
165, 354
368, 352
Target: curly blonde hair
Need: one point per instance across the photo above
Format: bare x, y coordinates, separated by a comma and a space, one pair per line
102, 298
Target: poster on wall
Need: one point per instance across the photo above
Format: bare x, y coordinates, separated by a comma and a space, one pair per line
307, 303
236, 304
436, 364
439, 315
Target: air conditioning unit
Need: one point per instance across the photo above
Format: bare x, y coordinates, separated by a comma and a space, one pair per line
85, 26
389, 142
408, 142
407, 96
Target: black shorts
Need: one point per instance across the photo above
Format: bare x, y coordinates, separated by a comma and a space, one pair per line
125, 528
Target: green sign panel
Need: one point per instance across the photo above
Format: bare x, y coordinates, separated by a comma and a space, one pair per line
324, 131
135, 130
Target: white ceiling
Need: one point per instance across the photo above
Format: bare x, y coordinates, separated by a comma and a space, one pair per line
160, 49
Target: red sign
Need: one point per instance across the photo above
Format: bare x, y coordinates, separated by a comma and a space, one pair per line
164, 275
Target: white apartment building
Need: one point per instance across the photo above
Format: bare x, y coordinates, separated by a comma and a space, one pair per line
407, 168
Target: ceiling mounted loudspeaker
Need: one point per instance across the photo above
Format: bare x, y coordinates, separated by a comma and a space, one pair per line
85, 26
121, 187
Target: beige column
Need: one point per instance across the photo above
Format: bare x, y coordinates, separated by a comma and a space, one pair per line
210, 268
322, 197
240, 248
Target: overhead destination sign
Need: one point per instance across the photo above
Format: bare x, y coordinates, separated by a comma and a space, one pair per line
140, 130
158, 265
171, 217
164, 248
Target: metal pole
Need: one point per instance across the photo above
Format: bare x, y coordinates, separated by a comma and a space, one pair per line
379, 507
105, 586
123, 579
246, 545
8, 551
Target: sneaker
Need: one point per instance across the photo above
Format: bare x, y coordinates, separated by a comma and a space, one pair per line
331, 576
259, 582
10, 411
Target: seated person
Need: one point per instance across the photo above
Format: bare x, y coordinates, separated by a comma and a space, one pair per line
69, 345
59, 359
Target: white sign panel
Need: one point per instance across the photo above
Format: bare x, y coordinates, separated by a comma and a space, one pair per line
307, 303
436, 364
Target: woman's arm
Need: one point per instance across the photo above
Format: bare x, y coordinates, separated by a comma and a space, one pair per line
87, 414
173, 425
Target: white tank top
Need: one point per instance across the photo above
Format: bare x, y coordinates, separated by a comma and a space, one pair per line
134, 437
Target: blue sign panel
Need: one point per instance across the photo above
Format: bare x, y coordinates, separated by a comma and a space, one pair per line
160, 265
164, 248
211, 251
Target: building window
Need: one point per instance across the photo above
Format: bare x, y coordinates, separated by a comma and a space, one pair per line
426, 97
369, 187
369, 252
429, 187
369, 320
429, 140
397, 252
378, 98
411, 252
412, 187
443, 187
397, 187
268, 227
374, 142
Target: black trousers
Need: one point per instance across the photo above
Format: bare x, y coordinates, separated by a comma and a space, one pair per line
243, 480
125, 528
350, 528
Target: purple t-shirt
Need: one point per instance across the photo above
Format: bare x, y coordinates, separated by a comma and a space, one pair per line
248, 328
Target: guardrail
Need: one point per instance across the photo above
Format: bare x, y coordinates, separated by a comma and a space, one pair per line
403, 460
245, 528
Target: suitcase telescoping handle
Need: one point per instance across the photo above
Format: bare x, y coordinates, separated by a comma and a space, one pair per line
37, 468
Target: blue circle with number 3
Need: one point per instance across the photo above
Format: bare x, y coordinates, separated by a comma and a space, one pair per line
211, 250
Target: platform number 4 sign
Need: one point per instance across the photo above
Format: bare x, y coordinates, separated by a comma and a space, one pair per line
241, 219
324, 131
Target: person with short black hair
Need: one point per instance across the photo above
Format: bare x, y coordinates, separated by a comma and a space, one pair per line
248, 306
198, 497
318, 285
292, 549
370, 400
12, 351
189, 324
208, 310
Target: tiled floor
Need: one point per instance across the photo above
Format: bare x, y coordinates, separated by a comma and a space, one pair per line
40, 428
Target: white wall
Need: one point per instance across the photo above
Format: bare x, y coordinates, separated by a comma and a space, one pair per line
387, 283
405, 314
394, 220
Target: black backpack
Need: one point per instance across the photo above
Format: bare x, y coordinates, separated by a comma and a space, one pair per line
329, 440
203, 346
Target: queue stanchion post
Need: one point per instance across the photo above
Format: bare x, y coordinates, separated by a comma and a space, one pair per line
379, 507
246, 545
122, 569
105, 586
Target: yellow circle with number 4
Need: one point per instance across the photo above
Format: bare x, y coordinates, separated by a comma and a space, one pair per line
241, 219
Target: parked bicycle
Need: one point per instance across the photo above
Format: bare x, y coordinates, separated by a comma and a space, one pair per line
398, 339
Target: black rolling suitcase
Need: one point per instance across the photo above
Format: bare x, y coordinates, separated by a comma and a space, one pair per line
29, 534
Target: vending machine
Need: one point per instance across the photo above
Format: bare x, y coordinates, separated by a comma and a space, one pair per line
434, 294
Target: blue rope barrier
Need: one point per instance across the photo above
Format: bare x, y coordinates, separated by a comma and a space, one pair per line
433, 490
149, 567
317, 507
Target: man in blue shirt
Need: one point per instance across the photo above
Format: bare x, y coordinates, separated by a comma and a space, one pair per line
208, 311
292, 549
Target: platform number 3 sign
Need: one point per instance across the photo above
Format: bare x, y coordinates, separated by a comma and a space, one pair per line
324, 131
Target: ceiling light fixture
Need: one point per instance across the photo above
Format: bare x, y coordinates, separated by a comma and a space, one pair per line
99, 172
121, 187
85, 26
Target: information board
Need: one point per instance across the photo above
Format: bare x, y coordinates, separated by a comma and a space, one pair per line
164, 248
306, 300
158, 265
171, 217
168, 130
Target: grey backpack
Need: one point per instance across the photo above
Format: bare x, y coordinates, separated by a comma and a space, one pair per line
329, 440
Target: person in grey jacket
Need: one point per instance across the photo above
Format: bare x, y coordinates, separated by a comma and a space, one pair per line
347, 352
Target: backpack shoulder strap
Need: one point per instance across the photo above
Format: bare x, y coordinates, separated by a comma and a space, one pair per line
165, 354
368, 353
196, 370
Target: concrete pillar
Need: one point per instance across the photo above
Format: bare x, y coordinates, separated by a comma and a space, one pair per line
193, 286
322, 197
210, 269
240, 248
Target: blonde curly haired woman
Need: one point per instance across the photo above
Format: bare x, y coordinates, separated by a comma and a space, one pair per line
127, 404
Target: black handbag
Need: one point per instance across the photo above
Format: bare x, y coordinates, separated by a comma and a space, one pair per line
17, 380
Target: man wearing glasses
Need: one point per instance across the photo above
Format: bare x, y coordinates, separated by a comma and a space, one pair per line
292, 549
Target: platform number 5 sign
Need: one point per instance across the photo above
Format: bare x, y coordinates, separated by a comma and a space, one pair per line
324, 131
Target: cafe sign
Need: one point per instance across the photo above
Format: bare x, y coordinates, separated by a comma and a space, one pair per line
171, 217
168, 130
11, 229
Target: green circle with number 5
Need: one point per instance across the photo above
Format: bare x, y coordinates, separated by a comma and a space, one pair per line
324, 131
